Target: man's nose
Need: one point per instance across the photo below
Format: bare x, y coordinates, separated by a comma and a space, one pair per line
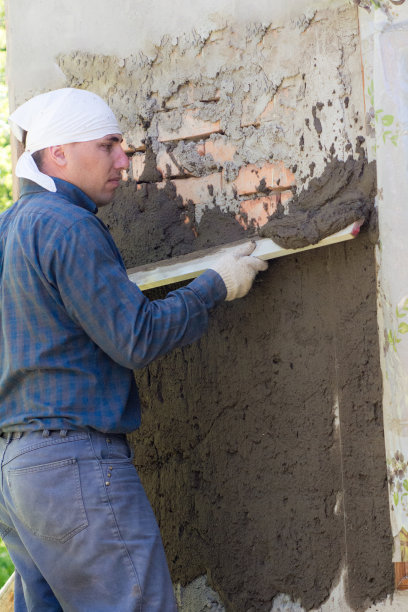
122, 160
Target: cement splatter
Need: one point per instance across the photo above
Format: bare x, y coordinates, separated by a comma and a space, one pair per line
151, 223
148, 223
187, 157
344, 193
218, 227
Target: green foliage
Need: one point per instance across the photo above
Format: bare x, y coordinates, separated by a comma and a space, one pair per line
6, 564
393, 340
387, 120
371, 92
404, 309
401, 312
382, 120
6, 196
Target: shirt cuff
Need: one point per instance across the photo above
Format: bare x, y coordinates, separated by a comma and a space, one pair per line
210, 287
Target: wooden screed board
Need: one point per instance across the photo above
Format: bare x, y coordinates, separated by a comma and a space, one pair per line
186, 267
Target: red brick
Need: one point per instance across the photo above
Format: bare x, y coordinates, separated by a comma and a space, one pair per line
221, 150
285, 196
259, 209
274, 176
197, 189
192, 127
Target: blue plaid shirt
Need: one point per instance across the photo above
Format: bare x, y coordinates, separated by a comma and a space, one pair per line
72, 324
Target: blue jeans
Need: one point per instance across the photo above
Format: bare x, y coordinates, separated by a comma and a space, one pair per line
78, 526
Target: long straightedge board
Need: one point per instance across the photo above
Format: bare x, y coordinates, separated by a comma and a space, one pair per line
186, 267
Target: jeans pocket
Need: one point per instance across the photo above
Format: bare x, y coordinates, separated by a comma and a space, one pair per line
47, 499
112, 448
119, 450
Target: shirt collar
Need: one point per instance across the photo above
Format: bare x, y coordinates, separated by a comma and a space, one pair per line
72, 192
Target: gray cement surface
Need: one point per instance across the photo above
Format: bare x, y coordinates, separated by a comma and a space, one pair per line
262, 445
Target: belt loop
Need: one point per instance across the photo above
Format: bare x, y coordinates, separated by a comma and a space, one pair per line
46, 433
18, 435
63, 433
9, 436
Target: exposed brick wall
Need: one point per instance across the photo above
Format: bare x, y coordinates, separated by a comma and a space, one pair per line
236, 119
257, 190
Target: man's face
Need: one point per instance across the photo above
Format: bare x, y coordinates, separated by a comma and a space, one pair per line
96, 167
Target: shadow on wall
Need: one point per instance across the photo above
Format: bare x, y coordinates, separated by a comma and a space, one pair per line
262, 446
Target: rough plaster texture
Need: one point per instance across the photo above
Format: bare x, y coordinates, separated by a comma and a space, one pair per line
243, 84
128, 28
342, 195
263, 451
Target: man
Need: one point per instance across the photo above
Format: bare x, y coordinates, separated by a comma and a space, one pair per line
73, 513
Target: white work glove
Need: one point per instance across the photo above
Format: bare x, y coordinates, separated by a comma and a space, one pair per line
238, 270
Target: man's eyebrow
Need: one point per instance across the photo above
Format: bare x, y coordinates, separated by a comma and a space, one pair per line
114, 138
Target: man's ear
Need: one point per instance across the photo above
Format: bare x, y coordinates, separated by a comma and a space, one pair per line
57, 155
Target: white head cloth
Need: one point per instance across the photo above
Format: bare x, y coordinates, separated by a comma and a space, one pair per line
56, 118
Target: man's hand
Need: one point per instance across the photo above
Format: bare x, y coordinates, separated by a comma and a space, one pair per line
238, 270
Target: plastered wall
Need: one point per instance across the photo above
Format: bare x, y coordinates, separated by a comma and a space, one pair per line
261, 446
238, 125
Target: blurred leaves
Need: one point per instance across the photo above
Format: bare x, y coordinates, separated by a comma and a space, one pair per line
6, 197
6, 565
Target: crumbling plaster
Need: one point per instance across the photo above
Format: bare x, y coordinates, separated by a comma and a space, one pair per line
122, 29
302, 108
241, 87
234, 71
